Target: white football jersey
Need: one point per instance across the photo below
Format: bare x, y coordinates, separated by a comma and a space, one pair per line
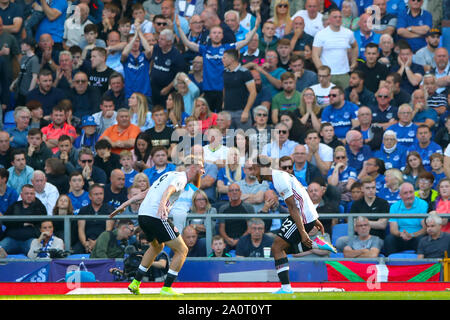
287, 185
150, 205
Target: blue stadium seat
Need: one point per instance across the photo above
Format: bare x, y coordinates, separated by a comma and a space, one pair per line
408, 254
337, 255
16, 256
232, 253
79, 256
339, 230
8, 120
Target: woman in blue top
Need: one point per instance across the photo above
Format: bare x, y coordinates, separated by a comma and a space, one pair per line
390, 192
139, 114
188, 89
414, 167
341, 175
175, 108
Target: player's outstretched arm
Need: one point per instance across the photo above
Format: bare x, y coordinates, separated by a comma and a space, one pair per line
122, 207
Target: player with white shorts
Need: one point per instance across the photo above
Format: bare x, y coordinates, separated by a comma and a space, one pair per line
152, 216
293, 235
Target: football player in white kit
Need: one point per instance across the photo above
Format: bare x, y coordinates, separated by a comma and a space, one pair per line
293, 235
152, 217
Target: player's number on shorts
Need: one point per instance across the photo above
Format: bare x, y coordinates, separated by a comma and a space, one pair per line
286, 225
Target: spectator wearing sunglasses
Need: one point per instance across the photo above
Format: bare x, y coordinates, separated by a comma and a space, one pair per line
384, 113
280, 145
91, 174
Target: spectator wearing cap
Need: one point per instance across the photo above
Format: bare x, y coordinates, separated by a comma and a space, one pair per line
89, 134
29, 70
413, 24
425, 55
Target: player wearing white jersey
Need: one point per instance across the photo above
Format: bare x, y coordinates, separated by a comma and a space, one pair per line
293, 235
153, 213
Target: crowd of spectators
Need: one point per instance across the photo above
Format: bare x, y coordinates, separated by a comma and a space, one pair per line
99, 98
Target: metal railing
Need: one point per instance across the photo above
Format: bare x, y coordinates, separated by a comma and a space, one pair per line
209, 220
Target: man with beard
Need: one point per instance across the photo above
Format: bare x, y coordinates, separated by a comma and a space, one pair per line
356, 91
372, 67
342, 114
287, 100
425, 56
442, 70
153, 213
45, 93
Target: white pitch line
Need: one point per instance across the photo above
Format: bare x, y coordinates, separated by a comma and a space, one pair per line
94, 291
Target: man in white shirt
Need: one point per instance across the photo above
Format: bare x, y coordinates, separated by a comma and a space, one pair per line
46, 192
319, 154
215, 152
323, 88
331, 47
312, 17
74, 26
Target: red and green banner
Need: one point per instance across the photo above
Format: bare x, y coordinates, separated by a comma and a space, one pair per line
363, 272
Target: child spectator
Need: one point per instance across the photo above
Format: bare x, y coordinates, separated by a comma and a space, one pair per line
138, 13
124, 29
126, 160
437, 168
105, 159
89, 135
66, 152
77, 195
218, 246
90, 41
